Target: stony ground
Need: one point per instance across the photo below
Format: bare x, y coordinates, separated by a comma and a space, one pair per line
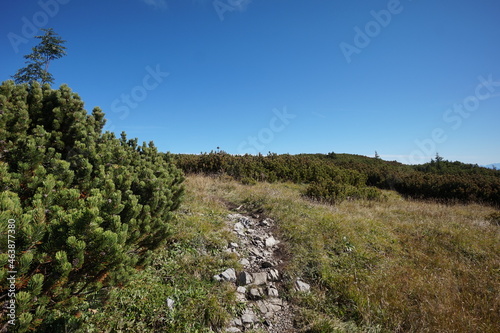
259, 284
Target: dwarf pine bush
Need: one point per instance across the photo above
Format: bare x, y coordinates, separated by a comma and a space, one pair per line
88, 207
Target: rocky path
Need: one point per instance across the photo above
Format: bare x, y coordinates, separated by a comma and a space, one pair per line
258, 284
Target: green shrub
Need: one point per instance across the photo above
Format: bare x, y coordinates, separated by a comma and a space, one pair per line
89, 207
334, 193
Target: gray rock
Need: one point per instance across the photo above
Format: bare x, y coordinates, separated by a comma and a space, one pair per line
259, 278
241, 290
234, 216
244, 262
234, 245
302, 286
170, 303
255, 293
245, 221
271, 241
233, 330
236, 322
245, 278
273, 307
275, 301
261, 305
258, 243
239, 228
273, 275
229, 275
217, 278
255, 251
248, 318
272, 292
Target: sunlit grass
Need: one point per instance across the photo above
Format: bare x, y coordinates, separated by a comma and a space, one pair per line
397, 265
383, 266
181, 272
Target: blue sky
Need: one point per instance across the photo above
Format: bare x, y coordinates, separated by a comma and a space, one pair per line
404, 78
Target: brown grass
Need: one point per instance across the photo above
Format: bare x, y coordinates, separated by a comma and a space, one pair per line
397, 266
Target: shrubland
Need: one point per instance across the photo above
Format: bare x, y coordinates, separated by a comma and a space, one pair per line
333, 177
111, 236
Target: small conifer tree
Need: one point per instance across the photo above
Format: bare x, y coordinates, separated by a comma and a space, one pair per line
37, 62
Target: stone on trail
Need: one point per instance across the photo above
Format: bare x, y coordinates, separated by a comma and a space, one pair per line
259, 278
229, 275
273, 275
302, 286
266, 222
239, 228
244, 278
272, 292
262, 306
244, 262
255, 293
271, 241
248, 318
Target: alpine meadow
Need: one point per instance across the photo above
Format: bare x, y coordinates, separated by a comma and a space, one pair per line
231, 181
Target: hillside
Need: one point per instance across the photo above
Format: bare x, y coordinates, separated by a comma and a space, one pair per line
102, 234
386, 266
335, 177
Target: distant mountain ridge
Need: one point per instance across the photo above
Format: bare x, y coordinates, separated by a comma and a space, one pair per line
493, 166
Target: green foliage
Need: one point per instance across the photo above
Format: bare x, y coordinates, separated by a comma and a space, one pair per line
329, 191
336, 177
181, 273
250, 169
37, 63
439, 179
89, 207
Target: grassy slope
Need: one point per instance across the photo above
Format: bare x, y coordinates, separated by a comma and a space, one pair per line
396, 266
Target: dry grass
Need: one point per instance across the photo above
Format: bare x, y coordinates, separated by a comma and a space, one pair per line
397, 266
390, 266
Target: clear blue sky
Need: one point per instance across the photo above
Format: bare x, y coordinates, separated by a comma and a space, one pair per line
404, 78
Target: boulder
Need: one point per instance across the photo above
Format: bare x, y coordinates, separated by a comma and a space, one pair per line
266, 222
